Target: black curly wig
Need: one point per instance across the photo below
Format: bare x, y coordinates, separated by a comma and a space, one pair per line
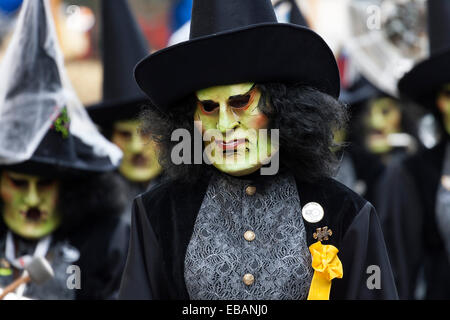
306, 119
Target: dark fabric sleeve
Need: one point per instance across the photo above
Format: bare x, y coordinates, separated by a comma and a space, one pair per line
363, 246
103, 249
116, 258
401, 215
143, 276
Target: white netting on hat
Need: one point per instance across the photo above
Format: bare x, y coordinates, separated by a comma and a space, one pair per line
82, 126
34, 87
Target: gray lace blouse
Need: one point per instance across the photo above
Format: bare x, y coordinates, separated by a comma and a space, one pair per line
249, 243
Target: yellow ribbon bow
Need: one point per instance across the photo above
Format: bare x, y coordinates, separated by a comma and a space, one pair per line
327, 266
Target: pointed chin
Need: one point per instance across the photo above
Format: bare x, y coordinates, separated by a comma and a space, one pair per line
243, 160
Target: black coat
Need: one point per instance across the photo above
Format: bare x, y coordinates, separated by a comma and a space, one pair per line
407, 209
92, 223
102, 245
163, 221
368, 168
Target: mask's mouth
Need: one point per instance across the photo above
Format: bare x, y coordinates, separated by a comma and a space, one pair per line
139, 160
230, 145
231, 148
34, 214
377, 132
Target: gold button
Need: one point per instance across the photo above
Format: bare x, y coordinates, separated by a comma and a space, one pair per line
248, 279
250, 190
249, 236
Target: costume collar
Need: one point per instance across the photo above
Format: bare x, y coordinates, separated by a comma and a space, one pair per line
20, 263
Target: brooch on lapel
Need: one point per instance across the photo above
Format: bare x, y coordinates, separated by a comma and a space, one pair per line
325, 262
322, 234
312, 212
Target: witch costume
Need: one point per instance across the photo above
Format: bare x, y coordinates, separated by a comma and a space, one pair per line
46, 133
361, 168
415, 208
123, 46
215, 235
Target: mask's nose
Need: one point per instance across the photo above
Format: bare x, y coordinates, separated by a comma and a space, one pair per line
136, 143
227, 120
32, 198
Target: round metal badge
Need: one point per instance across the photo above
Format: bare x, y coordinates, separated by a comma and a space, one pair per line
312, 212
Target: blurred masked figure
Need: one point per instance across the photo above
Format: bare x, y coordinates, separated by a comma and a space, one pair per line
118, 114
415, 207
58, 198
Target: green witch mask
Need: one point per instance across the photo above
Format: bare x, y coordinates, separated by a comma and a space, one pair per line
384, 118
443, 102
339, 137
30, 204
140, 159
231, 123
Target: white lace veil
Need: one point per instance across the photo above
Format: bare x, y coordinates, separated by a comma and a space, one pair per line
34, 87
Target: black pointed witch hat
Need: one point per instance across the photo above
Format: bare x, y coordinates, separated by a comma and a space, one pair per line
123, 46
423, 82
295, 14
36, 101
236, 41
361, 91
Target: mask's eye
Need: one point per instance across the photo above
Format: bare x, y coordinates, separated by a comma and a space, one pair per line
386, 111
124, 134
19, 183
239, 102
208, 106
45, 182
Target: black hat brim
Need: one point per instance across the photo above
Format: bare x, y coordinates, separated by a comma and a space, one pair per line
106, 113
426, 78
361, 92
62, 161
270, 52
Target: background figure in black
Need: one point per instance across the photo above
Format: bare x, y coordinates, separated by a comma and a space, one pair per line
117, 115
414, 206
380, 131
61, 201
